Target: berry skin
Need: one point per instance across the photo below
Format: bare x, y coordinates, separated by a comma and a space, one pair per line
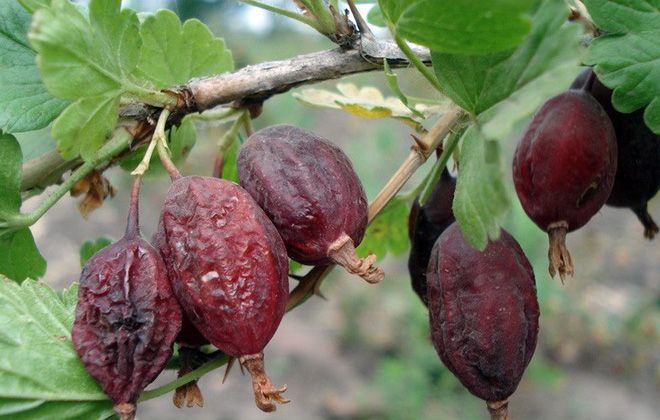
127, 317
564, 167
308, 188
483, 313
637, 178
229, 270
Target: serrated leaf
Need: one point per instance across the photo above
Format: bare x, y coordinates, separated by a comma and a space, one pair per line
460, 26
478, 82
11, 160
181, 140
366, 102
89, 248
80, 57
627, 58
35, 340
388, 233
84, 125
19, 256
173, 53
24, 102
481, 200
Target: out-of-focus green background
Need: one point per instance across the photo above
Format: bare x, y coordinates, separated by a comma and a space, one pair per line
365, 352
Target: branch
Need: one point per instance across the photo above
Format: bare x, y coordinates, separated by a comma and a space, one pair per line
261, 81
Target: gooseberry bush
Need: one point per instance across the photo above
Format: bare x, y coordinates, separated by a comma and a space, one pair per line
118, 88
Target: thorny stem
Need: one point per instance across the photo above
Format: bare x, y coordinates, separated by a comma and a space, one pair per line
415, 61
118, 143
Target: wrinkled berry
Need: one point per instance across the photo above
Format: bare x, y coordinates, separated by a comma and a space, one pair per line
563, 169
126, 316
637, 178
425, 224
228, 268
309, 189
483, 313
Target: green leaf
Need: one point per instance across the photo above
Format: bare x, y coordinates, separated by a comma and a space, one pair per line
19, 256
32, 5
481, 199
89, 248
79, 57
478, 82
24, 102
388, 232
11, 160
460, 26
173, 53
181, 141
627, 58
84, 125
35, 340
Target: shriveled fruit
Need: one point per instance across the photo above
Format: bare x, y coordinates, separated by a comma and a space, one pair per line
309, 189
126, 316
189, 340
425, 224
637, 178
483, 314
228, 268
563, 169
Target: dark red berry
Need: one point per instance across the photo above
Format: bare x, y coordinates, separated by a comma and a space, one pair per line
563, 169
483, 313
425, 224
637, 178
309, 189
228, 268
126, 317
189, 340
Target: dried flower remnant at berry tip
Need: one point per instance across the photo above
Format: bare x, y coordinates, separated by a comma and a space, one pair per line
127, 317
308, 188
563, 169
229, 271
483, 314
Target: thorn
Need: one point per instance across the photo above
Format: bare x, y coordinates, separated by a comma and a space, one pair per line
230, 363
362, 25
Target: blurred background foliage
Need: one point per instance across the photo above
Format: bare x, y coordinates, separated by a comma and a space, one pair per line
598, 355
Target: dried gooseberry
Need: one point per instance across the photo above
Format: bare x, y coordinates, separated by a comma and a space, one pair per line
126, 316
425, 224
308, 188
229, 270
637, 178
483, 314
564, 167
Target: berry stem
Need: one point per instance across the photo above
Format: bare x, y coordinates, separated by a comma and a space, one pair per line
499, 410
560, 258
133, 225
161, 145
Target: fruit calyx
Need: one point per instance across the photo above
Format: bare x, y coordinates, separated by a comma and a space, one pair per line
264, 390
189, 394
342, 252
558, 255
499, 410
650, 227
125, 411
